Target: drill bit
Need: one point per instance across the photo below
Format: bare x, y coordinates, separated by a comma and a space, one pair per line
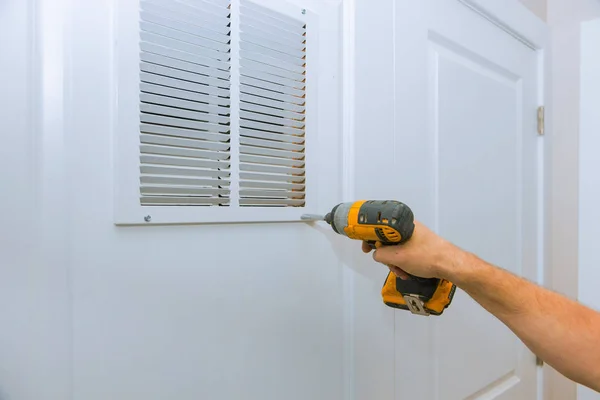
312, 217
315, 217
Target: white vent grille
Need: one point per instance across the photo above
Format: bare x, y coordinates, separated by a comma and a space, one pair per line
216, 107
185, 102
272, 108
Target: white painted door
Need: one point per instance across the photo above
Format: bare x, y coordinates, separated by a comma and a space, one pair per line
446, 117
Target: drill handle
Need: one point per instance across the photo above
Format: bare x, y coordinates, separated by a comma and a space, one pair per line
376, 244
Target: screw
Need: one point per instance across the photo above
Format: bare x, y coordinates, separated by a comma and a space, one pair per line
147, 218
304, 11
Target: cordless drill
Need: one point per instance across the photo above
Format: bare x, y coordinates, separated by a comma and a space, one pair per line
384, 223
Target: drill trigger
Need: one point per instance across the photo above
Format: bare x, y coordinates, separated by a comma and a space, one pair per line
374, 244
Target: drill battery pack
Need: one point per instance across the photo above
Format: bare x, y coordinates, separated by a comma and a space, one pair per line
418, 295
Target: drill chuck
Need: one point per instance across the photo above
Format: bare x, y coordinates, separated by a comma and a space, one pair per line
338, 218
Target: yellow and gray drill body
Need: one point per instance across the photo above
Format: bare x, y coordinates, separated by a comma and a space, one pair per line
384, 223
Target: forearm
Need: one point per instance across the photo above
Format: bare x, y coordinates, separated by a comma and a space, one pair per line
561, 332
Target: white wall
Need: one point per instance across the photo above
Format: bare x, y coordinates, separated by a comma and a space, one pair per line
589, 179
190, 312
92, 311
564, 18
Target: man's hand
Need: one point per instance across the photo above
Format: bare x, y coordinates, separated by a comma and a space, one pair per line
560, 331
425, 255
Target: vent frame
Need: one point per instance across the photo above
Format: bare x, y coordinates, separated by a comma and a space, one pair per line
126, 110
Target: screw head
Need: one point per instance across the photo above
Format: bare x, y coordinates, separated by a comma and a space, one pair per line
148, 218
304, 11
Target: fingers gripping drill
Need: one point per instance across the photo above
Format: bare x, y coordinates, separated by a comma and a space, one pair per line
384, 223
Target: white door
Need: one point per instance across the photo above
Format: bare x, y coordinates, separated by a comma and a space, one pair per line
446, 118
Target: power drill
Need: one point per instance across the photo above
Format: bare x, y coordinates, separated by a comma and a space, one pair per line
384, 223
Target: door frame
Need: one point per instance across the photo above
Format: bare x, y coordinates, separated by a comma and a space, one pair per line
588, 166
515, 19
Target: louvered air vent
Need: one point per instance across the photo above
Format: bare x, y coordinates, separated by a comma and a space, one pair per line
272, 108
185, 102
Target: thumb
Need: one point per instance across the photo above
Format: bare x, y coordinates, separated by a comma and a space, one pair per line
388, 255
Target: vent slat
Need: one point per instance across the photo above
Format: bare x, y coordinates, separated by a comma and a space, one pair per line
258, 36
271, 136
263, 76
188, 86
222, 3
248, 158
184, 201
155, 170
251, 81
254, 7
184, 133
271, 144
221, 77
271, 152
296, 52
272, 111
272, 169
295, 59
203, 83
247, 202
183, 162
272, 194
193, 113
216, 68
267, 18
175, 181
284, 98
185, 27
271, 61
205, 52
271, 128
269, 69
182, 12
274, 178
185, 143
272, 185
207, 6
277, 105
181, 152
184, 37
182, 190
168, 110
272, 120
200, 100
221, 113
182, 123
252, 20
200, 8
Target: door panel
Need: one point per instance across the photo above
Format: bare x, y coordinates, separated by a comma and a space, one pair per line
477, 179
465, 106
